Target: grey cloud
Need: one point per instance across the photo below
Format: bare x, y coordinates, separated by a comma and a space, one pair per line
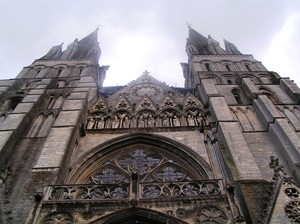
31, 28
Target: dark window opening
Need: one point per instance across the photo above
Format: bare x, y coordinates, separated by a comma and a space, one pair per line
229, 81
248, 68
207, 65
228, 68
11, 104
237, 96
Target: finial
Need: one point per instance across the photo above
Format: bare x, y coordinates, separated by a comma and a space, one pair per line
188, 25
97, 27
146, 72
274, 164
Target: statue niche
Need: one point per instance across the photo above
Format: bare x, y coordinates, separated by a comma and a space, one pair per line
96, 121
170, 118
146, 119
195, 117
120, 120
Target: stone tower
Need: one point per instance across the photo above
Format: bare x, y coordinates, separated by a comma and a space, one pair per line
224, 149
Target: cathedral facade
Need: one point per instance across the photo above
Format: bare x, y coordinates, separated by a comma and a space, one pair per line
223, 149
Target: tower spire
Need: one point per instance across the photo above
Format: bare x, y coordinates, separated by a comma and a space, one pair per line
54, 52
231, 48
86, 48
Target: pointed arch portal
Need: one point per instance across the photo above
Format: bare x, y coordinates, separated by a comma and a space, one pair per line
128, 174
138, 215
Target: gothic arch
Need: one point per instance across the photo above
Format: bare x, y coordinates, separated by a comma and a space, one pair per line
265, 79
237, 94
251, 77
194, 117
146, 118
229, 79
42, 124
167, 117
271, 94
138, 215
215, 78
90, 162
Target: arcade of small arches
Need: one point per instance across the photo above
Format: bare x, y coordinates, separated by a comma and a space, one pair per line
148, 119
232, 79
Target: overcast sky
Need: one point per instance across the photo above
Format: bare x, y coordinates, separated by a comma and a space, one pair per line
138, 35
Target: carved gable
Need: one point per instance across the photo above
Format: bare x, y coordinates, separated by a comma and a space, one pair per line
168, 103
191, 101
123, 104
145, 103
101, 105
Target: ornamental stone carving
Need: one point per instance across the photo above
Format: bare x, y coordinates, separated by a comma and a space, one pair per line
145, 89
211, 214
292, 211
58, 218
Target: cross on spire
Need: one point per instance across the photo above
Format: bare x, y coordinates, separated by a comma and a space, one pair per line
188, 25
146, 72
98, 26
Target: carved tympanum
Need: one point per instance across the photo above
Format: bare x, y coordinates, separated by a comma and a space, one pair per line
58, 218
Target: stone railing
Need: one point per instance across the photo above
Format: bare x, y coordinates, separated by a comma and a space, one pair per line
182, 189
87, 192
153, 190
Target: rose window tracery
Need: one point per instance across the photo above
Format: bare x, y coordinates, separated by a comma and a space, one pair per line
292, 210
170, 173
149, 164
108, 176
139, 161
292, 192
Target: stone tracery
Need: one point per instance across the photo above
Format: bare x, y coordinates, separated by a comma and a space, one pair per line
211, 214
147, 105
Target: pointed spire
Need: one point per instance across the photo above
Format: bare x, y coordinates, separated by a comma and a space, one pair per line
86, 48
231, 48
214, 47
54, 52
196, 41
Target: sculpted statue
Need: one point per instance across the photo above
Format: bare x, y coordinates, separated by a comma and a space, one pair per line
141, 122
199, 119
176, 121
190, 120
151, 121
91, 123
165, 121
126, 122
100, 123
115, 122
